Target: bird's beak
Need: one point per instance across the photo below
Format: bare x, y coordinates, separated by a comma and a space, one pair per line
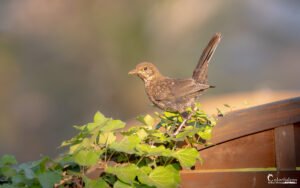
132, 72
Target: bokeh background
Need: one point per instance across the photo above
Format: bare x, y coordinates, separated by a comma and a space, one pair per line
61, 61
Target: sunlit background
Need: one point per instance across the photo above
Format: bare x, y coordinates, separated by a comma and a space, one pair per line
61, 61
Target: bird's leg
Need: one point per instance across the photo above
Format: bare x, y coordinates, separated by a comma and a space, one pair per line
180, 127
183, 123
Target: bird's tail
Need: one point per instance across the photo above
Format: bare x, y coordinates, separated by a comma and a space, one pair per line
200, 72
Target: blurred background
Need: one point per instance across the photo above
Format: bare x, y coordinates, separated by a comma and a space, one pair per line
61, 61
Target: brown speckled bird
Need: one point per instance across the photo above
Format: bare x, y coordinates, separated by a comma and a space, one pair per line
177, 94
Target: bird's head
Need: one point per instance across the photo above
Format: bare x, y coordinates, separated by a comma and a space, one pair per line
146, 71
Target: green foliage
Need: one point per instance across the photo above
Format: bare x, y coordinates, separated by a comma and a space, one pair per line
146, 155
42, 173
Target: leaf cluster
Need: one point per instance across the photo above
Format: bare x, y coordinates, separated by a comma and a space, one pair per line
105, 153
42, 173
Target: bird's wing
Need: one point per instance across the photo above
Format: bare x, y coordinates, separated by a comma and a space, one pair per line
176, 88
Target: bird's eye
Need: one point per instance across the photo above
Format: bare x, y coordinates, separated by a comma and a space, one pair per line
145, 68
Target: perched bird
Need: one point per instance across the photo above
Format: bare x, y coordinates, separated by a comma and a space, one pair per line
177, 94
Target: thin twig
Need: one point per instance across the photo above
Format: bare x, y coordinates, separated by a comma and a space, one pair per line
182, 124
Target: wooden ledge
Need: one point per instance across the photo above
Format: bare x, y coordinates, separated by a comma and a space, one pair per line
255, 119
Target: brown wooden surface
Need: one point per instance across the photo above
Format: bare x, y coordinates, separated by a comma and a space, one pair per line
285, 148
195, 179
297, 143
250, 151
246, 139
256, 119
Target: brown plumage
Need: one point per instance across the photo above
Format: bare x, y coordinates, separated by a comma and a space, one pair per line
177, 94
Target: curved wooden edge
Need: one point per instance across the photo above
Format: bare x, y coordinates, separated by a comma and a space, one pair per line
255, 119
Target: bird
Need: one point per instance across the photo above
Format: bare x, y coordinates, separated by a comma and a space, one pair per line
176, 95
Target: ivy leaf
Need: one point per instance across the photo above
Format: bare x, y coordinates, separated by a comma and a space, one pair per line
7, 186
28, 172
107, 138
8, 171
41, 164
148, 150
95, 183
120, 184
87, 157
161, 177
48, 179
186, 132
146, 169
92, 127
159, 137
187, 157
18, 179
147, 120
206, 134
170, 114
80, 127
8, 160
99, 118
112, 125
142, 134
127, 144
85, 143
74, 148
126, 173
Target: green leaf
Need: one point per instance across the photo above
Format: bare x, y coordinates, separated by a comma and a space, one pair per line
125, 173
87, 157
120, 184
85, 144
159, 137
127, 144
186, 132
8, 186
148, 150
39, 166
147, 120
161, 177
206, 134
146, 169
187, 157
95, 183
99, 118
79, 127
107, 138
99, 121
74, 148
142, 134
112, 125
48, 179
18, 179
170, 114
198, 105
28, 172
90, 127
8, 160
77, 139
8, 171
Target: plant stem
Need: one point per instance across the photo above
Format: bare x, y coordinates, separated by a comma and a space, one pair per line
111, 156
140, 160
